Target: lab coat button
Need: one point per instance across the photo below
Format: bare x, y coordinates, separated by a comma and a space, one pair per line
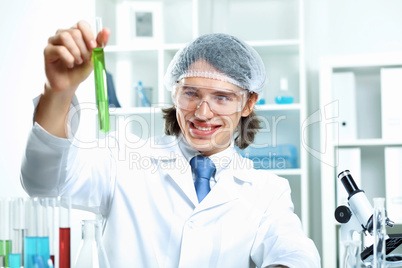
190, 224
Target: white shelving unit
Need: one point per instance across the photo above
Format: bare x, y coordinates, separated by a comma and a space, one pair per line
273, 28
368, 139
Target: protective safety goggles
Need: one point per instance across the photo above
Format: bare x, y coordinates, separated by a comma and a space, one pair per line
220, 101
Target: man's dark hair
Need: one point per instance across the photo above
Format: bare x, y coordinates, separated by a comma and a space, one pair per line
246, 130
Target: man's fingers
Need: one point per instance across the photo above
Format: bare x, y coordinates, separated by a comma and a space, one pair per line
66, 39
103, 37
55, 53
78, 38
74, 46
87, 34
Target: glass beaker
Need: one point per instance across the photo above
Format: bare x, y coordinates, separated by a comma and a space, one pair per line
91, 253
351, 258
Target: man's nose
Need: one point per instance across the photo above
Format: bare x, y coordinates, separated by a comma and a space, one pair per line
204, 110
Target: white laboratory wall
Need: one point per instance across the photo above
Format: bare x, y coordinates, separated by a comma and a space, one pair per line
25, 27
342, 27
332, 27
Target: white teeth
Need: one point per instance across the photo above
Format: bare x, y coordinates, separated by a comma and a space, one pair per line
202, 128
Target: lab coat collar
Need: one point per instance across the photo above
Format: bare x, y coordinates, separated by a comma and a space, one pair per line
166, 148
221, 159
174, 165
224, 191
228, 187
242, 166
179, 171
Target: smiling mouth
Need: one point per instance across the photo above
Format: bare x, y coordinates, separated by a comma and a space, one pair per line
204, 127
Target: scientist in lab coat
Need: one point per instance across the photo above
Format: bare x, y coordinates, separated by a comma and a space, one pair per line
154, 216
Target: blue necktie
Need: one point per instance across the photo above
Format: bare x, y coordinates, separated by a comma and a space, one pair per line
203, 168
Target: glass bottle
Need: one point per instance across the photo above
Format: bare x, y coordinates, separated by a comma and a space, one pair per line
284, 97
91, 253
379, 233
351, 258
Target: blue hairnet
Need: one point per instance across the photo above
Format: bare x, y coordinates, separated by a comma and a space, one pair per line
218, 56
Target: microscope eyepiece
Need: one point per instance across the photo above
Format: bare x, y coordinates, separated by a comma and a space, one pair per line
348, 182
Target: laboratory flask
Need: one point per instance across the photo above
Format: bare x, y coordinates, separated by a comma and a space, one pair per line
91, 253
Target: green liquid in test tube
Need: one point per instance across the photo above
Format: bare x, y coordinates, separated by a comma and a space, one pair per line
5, 231
102, 101
5, 249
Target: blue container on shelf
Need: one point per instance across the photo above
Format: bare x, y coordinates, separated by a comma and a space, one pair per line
283, 156
284, 97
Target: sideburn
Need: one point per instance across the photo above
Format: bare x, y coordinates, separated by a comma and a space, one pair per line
171, 124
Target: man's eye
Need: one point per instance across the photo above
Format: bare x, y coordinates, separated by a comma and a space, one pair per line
190, 93
223, 98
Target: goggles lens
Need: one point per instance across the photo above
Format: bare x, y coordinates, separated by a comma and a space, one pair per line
220, 101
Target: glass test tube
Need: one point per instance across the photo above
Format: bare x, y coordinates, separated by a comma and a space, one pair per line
5, 235
43, 233
102, 101
31, 234
64, 204
53, 229
36, 243
15, 259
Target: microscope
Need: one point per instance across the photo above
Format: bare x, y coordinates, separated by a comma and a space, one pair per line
357, 216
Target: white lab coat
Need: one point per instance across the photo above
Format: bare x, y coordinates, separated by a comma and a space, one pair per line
152, 215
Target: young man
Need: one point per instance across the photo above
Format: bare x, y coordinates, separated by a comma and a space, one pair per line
196, 202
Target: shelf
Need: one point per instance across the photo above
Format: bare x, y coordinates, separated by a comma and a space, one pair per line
290, 46
364, 60
272, 43
286, 172
129, 48
277, 107
285, 45
134, 110
173, 47
368, 142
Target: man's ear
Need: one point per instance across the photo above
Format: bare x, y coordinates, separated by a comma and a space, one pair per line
249, 105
